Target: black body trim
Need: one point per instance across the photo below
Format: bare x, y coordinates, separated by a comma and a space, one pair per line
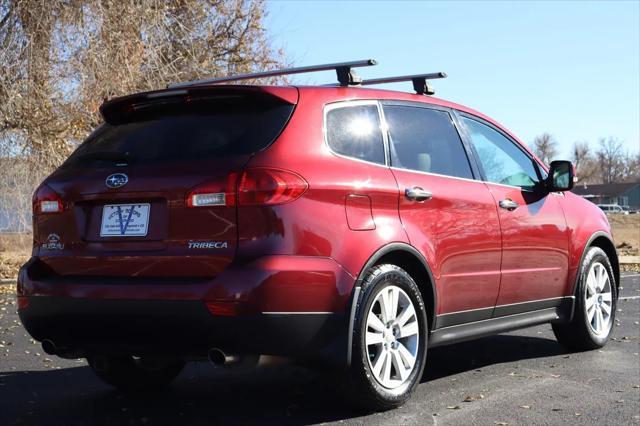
535, 305
462, 317
462, 332
183, 328
474, 315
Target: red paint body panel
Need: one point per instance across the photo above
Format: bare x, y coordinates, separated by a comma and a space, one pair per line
315, 224
359, 213
269, 284
459, 233
535, 246
584, 219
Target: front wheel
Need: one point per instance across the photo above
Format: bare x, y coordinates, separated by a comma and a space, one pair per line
389, 340
131, 373
595, 305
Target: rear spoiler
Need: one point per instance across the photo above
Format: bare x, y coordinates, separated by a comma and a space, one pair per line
116, 107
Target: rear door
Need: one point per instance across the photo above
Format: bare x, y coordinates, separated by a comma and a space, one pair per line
535, 237
151, 192
450, 217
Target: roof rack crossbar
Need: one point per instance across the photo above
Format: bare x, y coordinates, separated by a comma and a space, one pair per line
420, 81
346, 76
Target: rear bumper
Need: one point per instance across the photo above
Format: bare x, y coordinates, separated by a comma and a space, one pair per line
181, 328
288, 305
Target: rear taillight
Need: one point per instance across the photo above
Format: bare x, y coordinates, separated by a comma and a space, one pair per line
259, 186
269, 187
47, 201
214, 194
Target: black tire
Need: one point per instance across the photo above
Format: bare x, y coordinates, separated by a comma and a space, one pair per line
364, 387
131, 374
578, 335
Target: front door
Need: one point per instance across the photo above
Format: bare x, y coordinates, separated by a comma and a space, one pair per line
535, 237
450, 217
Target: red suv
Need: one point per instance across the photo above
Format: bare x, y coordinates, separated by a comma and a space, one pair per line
337, 224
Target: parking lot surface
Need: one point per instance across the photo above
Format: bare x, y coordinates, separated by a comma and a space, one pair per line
522, 377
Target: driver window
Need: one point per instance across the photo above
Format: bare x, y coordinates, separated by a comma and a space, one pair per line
502, 161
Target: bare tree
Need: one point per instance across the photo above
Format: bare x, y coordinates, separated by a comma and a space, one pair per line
584, 163
545, 147
632, 168
60, 59
611, 160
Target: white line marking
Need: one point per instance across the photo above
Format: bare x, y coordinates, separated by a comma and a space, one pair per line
629, 298
630, 275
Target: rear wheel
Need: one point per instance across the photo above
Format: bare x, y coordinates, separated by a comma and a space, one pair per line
133, 373
390, 339
595, 305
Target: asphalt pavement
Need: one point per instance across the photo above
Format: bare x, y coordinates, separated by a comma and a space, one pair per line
517, 378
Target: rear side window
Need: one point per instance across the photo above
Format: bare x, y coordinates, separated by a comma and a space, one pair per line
173, 130
425, 140
355, 131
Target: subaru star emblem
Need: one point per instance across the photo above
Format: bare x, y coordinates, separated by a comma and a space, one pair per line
117, 180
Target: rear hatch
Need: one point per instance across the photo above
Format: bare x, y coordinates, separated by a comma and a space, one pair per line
150, 192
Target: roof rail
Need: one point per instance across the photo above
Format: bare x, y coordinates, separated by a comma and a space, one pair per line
420, 81
346, 76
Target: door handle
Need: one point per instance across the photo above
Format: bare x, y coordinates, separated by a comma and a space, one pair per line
417, 194
508, 204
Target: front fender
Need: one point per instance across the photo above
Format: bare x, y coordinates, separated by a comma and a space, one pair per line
588, 226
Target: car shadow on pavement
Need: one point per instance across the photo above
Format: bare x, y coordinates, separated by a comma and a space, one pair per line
454, 359
275, 394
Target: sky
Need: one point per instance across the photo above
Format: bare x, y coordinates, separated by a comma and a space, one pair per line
568, 68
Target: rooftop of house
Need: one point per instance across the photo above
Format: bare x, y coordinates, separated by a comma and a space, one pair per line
607, 189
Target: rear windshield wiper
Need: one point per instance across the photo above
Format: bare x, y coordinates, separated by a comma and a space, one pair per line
116, 157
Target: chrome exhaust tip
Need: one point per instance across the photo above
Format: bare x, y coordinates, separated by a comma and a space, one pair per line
49, 347
219, 358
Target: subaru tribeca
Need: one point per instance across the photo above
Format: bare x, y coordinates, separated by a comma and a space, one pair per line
338, 224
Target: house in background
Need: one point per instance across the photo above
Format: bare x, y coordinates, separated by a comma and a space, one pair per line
623, 194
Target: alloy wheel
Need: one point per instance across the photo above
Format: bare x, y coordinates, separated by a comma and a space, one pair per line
598, 299
392, 337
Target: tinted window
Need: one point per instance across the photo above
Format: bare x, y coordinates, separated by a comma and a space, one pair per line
355, 131
177, 130
425, 140
502, 161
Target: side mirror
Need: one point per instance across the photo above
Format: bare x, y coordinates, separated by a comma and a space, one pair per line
561, 176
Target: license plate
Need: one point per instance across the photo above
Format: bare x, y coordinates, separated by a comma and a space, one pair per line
125, 220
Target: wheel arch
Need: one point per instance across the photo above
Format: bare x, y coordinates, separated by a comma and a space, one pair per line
408, 258
602, 240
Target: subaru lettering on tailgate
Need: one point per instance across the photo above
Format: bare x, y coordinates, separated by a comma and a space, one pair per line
125, 220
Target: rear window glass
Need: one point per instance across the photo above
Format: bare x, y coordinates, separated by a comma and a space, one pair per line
355, 131
425, 140
173, 130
